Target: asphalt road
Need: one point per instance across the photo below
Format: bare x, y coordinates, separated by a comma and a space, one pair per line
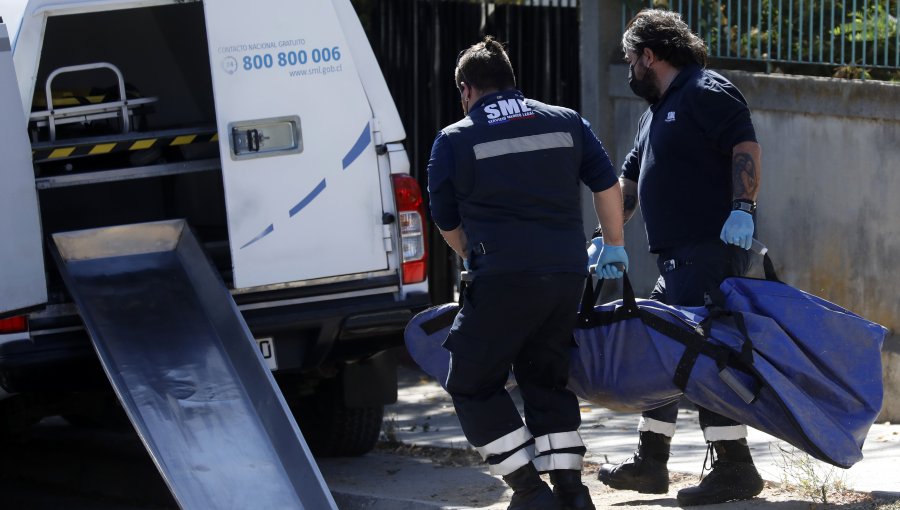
56, 465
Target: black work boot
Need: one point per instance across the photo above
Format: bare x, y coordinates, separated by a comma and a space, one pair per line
733, 477
529, 491
646, 472
568, 489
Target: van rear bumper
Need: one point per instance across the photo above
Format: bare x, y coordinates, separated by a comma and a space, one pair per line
58, 355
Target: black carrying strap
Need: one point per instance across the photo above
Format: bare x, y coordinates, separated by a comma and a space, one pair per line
694, 342
747, 345
685, 368
743, 361
694, 339
445, 319
588, 317
769, 269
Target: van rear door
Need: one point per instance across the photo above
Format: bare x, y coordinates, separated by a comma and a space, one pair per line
22, 281
299, 163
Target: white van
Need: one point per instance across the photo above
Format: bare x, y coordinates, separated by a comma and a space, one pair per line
269, 128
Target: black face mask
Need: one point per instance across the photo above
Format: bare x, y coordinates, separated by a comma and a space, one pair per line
644, 88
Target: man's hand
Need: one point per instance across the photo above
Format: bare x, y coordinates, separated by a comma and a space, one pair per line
610, 256
738, 229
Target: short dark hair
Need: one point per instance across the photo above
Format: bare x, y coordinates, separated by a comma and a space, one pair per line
485, 66
667, 35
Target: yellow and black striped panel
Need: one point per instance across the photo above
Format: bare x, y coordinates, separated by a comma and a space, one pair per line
41, 102
75, 150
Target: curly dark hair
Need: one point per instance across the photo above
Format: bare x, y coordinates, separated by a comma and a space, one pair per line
667, 35
485, 66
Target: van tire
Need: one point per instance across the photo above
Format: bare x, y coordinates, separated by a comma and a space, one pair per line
333, 429
350, 433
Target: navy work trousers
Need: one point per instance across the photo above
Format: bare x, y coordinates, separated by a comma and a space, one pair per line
524, 321
687, 273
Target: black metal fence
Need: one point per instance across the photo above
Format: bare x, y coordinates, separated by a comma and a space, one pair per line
417, 41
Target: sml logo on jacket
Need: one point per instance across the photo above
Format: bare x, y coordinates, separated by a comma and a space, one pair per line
670, 117
505, 110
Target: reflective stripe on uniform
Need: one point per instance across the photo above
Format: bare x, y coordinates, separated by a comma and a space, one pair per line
557, 441
554, 461
660, 427
557, 140
725, 433
513, 462
505, 444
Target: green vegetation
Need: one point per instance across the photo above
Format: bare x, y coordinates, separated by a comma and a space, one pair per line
854, 39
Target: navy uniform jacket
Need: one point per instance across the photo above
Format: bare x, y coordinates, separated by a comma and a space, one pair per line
682, 155
510, 173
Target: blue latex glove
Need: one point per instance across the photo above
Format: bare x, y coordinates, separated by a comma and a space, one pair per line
738, 229
606, 264
594, 252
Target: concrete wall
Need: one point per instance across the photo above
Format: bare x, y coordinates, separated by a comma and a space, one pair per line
829, 205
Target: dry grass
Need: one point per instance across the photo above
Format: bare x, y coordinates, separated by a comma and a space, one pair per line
456, 457
810, 478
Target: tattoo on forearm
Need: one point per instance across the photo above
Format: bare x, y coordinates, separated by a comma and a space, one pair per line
744, 175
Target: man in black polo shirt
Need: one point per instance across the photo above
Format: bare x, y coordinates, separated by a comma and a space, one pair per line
504, 184
695, 170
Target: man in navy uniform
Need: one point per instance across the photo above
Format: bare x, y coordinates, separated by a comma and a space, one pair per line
695, 167
504, 185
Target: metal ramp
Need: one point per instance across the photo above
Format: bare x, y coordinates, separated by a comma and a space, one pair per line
187, 369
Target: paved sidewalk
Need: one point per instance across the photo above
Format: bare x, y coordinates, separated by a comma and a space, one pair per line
424, 416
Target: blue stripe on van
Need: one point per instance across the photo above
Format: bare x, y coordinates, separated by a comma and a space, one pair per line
361, 143
264, 233
307, 199
365, 138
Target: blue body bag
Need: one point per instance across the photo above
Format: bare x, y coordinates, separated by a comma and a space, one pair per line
766, 354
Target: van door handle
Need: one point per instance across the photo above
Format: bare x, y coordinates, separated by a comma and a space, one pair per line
253, 140
265, 137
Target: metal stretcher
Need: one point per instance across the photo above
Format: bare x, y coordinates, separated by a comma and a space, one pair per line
97, 108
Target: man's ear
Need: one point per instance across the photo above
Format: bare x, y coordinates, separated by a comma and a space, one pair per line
649, 56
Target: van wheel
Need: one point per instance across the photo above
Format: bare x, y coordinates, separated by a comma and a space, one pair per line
331, 428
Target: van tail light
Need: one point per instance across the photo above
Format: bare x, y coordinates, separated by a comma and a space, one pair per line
411, 210
15, 324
